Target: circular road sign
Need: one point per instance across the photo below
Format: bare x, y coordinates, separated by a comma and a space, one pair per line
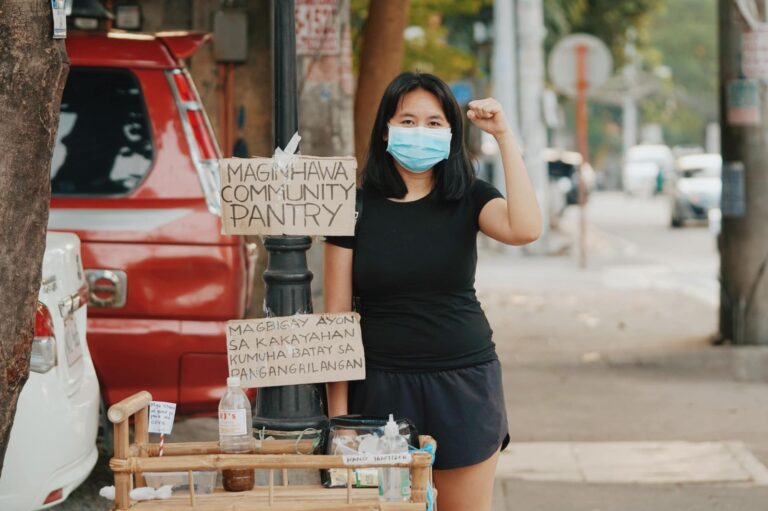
562, 63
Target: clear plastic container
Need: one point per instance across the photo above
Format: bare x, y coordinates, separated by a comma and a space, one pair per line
236, 434
394, 483
205, 481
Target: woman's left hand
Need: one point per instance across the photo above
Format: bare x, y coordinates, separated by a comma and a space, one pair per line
488, 115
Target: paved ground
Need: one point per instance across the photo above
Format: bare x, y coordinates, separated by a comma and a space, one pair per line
610, 375
616, 398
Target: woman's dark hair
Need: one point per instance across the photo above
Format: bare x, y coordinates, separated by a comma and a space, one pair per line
453, 176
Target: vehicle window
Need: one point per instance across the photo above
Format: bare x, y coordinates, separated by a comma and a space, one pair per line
703, 172
103, 145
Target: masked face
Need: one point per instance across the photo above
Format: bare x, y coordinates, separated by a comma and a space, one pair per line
419, 149
419, 134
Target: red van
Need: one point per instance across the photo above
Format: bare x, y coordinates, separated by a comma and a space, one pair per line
135, 176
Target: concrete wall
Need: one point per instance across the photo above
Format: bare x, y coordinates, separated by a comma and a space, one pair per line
326, 112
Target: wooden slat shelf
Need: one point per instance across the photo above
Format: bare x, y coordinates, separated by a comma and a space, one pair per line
293, 498
131, 460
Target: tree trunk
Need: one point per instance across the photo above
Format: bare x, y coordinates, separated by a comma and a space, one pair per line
381, 58
33, 69
744, 238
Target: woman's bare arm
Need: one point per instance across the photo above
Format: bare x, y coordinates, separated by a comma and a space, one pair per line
337, 285
516, 220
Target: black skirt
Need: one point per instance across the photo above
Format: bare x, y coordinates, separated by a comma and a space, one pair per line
462, 409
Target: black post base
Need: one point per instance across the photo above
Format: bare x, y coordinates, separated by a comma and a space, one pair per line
293, 410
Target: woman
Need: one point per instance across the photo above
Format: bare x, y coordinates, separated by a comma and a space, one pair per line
411, 269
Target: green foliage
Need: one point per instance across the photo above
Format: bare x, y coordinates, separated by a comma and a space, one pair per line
422, 10
431, 54
608, 20
444, 48
678, 34
682, 124
683, 36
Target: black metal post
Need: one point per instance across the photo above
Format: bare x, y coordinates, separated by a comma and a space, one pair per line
293, 408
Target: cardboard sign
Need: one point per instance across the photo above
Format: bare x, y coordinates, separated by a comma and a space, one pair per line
308, 348
312, 196
161, 416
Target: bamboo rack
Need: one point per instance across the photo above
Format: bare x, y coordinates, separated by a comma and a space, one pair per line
131, 460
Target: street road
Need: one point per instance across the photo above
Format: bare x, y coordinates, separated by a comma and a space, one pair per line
631, 241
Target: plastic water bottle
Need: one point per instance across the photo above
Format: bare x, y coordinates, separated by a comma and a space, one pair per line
394, 483
236, 433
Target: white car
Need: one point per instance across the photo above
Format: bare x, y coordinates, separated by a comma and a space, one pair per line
645, 166
52, 448
697, 188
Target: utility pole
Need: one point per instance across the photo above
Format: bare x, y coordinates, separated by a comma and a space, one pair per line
582, 137
504, 58
293, 410
518, 27
744, 237
504, 71
530, 15
629, 114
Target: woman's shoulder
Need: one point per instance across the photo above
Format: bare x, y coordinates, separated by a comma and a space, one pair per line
481, 189
480, 193
480, 184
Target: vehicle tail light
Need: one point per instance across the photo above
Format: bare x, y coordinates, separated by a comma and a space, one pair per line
43, 357
201, 132
54, 496
182, 85
203, 147
203, 139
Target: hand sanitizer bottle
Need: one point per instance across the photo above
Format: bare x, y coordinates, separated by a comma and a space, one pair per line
394, 483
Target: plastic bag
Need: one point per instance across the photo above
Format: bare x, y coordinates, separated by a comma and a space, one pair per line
359, 434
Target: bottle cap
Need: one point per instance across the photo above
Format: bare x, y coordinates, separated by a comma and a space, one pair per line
233, 381
391, 429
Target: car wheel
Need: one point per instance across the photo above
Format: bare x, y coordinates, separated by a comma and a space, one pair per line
104, 438
675, 223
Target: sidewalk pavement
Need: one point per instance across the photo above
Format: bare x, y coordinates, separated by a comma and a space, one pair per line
615, 396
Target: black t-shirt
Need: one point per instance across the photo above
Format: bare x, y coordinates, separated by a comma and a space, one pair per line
414, 276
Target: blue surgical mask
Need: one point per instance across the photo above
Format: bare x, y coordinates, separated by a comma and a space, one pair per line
419, 149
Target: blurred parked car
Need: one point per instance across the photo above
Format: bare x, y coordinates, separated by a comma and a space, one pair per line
135, 175
646, 169
563, 169
52, 447
697, 188
679, 151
